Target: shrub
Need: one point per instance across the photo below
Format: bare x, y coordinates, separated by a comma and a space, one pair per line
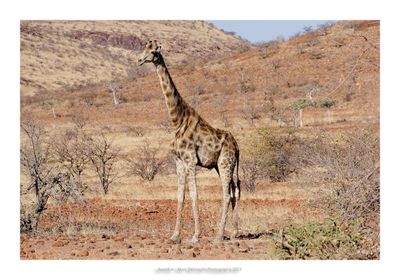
71, 150
252, 171
267, 156
245, 84
327, 103
300, 104
246, 87
145, 165
251, 112
348, 167
330, 239
135, 131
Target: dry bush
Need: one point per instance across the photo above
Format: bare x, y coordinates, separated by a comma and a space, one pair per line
252, 171
268, 156
245, 84
348, 167
166, 126
103, 156
47, 178
145, 164
79, 119
135, 131
251, 112
283, 114
71, 149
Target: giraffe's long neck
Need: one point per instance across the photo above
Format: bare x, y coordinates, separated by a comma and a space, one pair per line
177, 107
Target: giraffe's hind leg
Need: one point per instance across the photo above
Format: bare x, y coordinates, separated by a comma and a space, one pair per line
234, 203
226, 174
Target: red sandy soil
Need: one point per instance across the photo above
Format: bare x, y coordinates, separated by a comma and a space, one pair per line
141, 230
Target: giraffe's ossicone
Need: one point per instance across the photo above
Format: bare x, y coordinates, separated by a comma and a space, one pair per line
197, 143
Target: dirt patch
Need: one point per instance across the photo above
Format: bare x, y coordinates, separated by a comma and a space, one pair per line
134, 229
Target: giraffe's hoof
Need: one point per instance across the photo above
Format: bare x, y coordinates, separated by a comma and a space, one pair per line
194, 240
175, 238
235, 235
218, 239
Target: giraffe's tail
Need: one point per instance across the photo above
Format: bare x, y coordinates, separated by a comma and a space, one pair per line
237, 185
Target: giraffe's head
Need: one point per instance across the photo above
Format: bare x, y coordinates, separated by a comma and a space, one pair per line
151, 52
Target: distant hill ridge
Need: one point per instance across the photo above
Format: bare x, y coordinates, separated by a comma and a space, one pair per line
64, 54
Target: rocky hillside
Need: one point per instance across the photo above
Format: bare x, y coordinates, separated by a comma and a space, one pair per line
323, 78
68, 54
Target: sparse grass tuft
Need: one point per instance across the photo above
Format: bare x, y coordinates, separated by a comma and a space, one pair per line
326, 103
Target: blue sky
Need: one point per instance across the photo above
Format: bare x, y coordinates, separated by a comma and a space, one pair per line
265, 30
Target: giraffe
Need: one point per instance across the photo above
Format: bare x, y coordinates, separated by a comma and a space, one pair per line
196, 143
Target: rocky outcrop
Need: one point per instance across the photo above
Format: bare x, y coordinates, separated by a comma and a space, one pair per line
119, 40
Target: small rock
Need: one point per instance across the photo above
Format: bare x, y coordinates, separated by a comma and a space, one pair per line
119, 238
227, 256
177, 251
47, 255
244, 248
164, 250
114, 253
83, 253
104, 236
187, 246
58, 243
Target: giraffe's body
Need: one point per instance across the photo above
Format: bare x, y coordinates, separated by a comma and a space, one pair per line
196, 143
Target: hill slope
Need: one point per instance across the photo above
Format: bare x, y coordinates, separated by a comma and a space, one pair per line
62, 54
332, 73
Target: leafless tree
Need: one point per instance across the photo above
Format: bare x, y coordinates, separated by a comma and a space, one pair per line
251, 112
79, 119
71, 150
46, 178
113, 87
103, 157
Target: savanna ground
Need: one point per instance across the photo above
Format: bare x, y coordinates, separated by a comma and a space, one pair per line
304, 111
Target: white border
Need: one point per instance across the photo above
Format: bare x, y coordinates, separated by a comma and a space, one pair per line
206, 9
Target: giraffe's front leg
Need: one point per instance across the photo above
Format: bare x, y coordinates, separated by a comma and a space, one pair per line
195, 206
180, 170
